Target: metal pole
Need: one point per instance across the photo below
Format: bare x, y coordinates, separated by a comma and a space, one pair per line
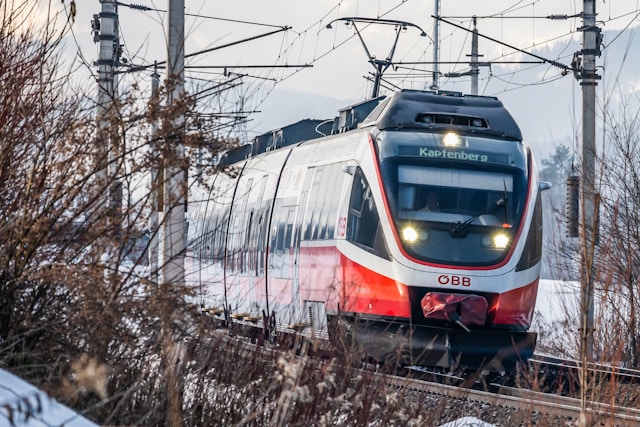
105, 30
174, 201
173, 238
436, 46
589, 215
105, 27
475, 71
590, 49
155, 186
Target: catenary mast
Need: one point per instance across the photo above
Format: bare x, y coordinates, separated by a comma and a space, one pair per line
174, 177
586, 73
436, 44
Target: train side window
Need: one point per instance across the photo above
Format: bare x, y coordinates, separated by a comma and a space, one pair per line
532, 252
214, 239
274, 244
247, 247
262, 238
281, 236
363, 225
315, 205
234, 244
221, 234
221, 230
288, 231
333, 198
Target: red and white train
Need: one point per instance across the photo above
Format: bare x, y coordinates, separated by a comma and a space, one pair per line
417, 234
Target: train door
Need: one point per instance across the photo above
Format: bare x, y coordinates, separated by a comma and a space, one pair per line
297, 306
279, 289
284, 248
256, 245
320, 275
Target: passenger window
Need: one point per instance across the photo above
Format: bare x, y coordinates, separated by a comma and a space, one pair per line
363, 225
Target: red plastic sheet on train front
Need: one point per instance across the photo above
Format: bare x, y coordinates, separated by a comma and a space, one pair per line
468, 309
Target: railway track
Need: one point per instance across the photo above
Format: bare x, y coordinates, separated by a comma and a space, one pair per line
570, 369
560, 408
532, 393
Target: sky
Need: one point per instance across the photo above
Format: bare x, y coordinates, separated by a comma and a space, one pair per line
323, 69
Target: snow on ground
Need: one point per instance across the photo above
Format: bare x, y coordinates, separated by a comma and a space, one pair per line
467, 422
556, 298
23, 405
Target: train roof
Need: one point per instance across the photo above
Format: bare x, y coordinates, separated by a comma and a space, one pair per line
412, 109
405, 109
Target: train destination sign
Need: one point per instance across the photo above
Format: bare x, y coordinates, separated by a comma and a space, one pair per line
457, 155
452, 154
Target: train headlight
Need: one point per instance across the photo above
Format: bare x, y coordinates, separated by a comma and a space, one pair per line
412, 235
500, 241
497, 241
451, 140
409, 234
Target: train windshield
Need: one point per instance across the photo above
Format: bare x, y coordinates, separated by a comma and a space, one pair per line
458, 205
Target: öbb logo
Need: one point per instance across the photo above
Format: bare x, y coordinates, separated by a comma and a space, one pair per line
445, 279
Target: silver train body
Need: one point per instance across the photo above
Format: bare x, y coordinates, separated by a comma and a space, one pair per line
415, 236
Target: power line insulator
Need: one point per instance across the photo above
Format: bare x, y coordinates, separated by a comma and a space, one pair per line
573, 205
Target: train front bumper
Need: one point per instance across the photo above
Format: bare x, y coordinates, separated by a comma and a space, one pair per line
448, 348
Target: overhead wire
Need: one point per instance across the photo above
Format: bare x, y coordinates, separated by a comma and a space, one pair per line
335, 46
75, 40
286, 51
626, 27
284, 76
571, 40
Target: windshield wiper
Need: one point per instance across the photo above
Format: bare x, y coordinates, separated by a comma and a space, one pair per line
459, 227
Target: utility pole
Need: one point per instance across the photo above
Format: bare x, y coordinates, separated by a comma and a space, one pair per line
174, 193
436, 46
155, 184
174, 182
475, 65
105, 32
591, 41
589, 80
475, 70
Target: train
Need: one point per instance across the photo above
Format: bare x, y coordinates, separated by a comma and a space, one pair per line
408, 227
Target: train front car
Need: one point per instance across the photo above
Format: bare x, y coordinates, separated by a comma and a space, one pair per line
461, 195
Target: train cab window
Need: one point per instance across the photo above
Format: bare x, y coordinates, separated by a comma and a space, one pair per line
532, 252
456, 204
363, 225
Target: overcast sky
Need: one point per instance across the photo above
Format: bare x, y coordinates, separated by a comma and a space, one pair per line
546, 104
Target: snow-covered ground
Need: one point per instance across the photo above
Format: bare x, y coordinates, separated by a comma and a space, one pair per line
23, 405
467, 422
556, 298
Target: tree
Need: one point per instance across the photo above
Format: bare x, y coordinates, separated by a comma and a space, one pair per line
78, 315
619, 239
555, 170
556, 167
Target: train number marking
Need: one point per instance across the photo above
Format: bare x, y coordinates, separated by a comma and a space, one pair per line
342, 226
453, 280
